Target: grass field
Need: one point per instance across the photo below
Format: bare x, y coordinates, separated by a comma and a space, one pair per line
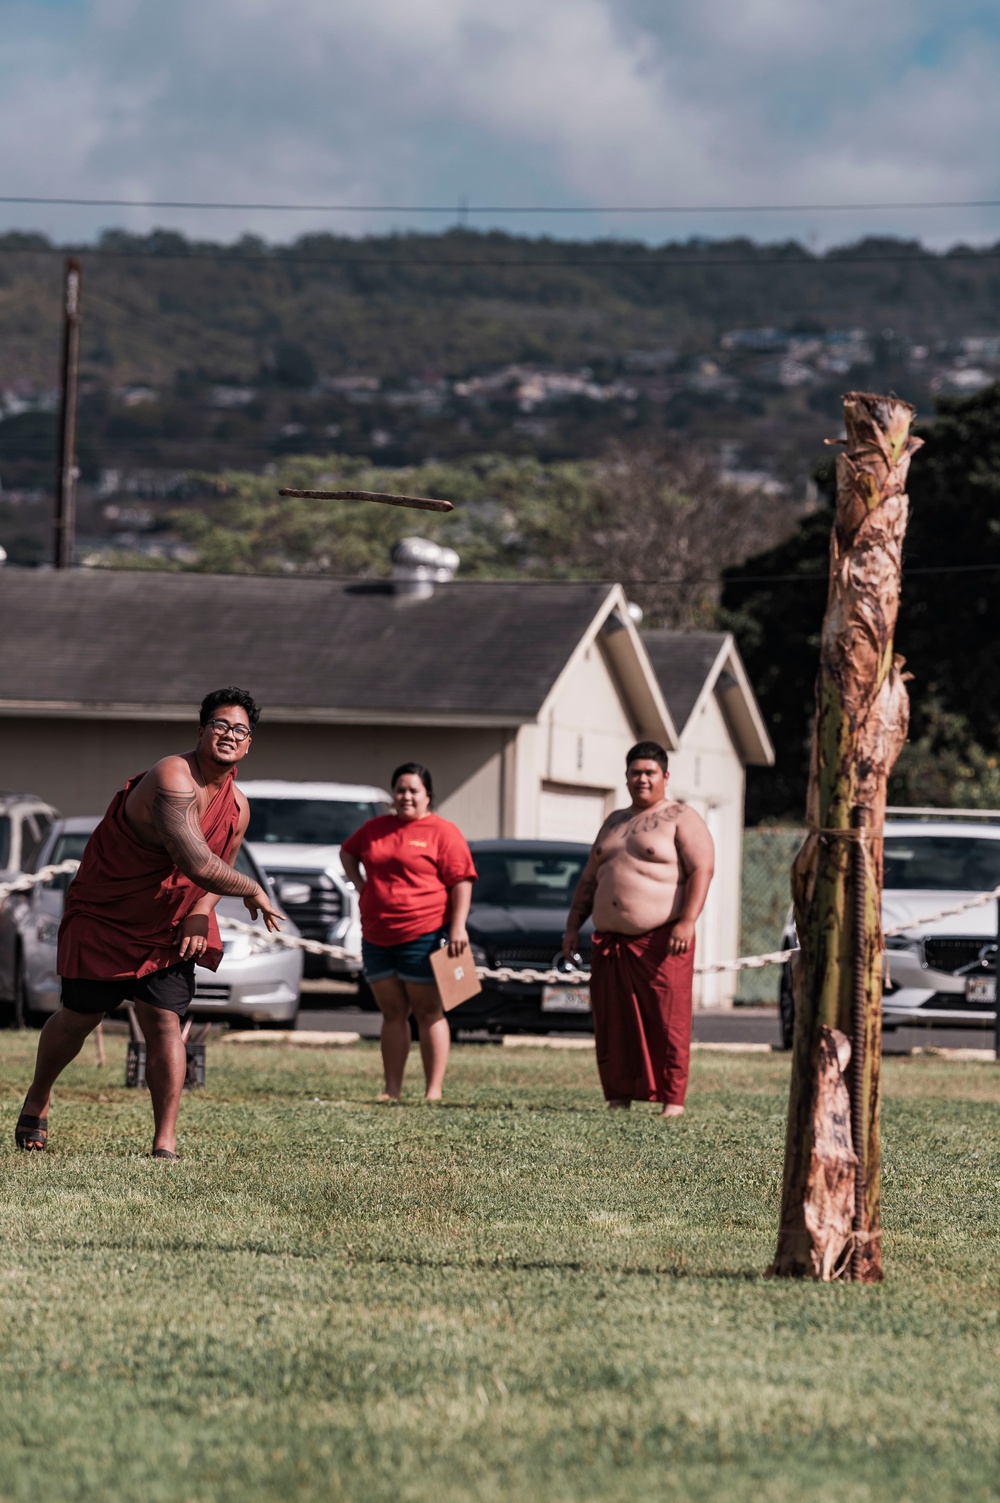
514, 1296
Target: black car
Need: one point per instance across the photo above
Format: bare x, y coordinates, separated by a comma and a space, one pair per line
520, 904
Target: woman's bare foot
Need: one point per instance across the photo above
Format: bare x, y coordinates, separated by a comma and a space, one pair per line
672, 1110
385, 1096
432, 1096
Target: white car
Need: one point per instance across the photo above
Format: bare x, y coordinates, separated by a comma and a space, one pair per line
25, 820
295, 833
258, 979
941, 971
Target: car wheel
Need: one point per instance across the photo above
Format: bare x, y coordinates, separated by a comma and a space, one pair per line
786, 1007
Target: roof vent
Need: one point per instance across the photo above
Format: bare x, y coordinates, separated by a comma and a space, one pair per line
618, 619
418, 565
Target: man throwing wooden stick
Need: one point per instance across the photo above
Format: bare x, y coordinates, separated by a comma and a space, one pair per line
645, 883
141, 912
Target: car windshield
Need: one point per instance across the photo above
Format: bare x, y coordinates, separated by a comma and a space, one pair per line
68, 847
959, 863
515, 880
308, 821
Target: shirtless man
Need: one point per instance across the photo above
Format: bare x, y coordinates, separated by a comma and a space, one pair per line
141, 912
645, 884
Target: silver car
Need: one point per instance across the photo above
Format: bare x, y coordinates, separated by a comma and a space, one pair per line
939, 971
25, 820
258, 979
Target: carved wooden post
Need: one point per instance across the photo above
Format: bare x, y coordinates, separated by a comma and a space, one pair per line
862, 712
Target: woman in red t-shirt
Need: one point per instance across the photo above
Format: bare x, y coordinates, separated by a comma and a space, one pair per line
415, 893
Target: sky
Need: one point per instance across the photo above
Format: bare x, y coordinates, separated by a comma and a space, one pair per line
590, 104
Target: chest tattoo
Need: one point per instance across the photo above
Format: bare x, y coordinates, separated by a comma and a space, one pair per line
647, 824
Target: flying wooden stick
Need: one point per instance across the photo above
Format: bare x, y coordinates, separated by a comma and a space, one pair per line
417, 503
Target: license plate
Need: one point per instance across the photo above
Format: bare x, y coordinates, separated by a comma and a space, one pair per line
565, 999
980, 988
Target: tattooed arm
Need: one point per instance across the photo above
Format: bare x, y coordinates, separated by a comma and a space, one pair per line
175, 818
192, 931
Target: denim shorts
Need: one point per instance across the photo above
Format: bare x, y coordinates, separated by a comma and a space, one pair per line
410, 961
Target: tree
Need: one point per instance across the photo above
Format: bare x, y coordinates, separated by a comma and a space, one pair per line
668, 524
944, 766
945, 622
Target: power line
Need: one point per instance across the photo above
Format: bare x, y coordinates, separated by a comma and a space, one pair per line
709, 579
466, 208
810, 578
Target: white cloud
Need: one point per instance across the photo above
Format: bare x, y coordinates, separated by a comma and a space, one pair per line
566, 101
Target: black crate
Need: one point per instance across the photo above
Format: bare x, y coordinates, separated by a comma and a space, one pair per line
194, 1080
135, 1066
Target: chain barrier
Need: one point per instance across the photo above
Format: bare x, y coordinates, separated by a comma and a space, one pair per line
566, 977
29, 880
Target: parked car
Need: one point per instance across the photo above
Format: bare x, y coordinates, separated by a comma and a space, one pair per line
520, 904
941, 971
295, 834
25, 820
258, 980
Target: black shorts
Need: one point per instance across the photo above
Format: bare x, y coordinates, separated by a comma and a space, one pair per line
171, 989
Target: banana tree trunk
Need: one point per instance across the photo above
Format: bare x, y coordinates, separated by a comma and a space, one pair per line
862, 711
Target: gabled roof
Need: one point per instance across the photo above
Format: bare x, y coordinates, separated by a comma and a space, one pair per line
690, 665
135, 642
683, 662
629, 665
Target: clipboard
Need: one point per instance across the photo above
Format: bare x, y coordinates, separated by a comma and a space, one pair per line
455, 976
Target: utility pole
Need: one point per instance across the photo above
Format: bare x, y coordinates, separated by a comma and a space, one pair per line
66, 473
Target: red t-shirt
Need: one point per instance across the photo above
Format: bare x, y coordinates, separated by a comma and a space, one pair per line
410, 866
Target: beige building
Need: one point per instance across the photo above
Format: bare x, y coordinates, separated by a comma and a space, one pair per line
522, 698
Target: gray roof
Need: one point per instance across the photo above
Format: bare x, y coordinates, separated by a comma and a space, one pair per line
81, 637
682, 661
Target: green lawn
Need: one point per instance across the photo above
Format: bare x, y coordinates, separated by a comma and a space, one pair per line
515, 1296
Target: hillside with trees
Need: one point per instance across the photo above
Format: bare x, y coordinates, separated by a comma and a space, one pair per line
405, 348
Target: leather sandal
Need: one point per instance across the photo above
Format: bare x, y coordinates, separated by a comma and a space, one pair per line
163, 1153
31, 1133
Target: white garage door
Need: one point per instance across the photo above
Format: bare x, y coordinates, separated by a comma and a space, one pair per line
570, 814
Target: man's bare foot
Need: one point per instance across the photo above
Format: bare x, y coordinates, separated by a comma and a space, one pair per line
620, 1106
672, 1110
385, 1096
432, 1096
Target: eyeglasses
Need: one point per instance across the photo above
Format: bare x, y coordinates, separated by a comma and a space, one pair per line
223, 728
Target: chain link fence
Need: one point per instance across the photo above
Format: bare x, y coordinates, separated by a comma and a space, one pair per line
766, 897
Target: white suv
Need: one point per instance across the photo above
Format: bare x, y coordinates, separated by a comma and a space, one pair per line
295, 834
940, 971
